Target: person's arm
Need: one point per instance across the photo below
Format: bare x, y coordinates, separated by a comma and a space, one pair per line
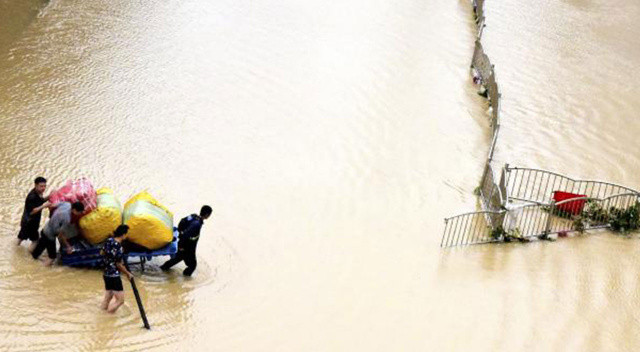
39, 209
64, 242
123, 269
182, 225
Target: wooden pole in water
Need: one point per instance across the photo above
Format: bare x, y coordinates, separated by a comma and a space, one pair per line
138, 299
140, 307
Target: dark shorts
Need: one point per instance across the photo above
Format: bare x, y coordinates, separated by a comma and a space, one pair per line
112, 283
29, 232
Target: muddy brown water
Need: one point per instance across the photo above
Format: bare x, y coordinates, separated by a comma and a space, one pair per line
331, 140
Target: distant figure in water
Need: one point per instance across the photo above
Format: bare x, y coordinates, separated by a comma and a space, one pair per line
189, 233
33, 206
113, 266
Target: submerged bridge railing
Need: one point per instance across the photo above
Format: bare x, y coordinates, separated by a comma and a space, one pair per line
523, 202
537, 220
587, 213
492, 193
575, 214
470, 228
537, 185
528, 208
478, 9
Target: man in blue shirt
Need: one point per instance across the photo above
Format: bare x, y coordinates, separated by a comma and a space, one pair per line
189, 234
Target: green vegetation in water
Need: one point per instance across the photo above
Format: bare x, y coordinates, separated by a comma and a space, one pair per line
579, 223
594, 212
625, 220
515, 234
498, 233
620, 220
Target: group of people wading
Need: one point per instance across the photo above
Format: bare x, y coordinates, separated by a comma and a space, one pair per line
62, 225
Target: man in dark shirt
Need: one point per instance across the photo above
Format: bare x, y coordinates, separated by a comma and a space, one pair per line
188, 235
33, 206
113, 266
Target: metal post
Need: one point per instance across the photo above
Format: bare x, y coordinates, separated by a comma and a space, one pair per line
445, 233
547, 226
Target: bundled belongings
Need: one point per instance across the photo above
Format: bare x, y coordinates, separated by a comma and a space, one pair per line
104, 219
80, 190
150, 223
87, 255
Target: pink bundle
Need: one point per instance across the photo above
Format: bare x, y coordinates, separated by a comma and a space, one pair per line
80, 190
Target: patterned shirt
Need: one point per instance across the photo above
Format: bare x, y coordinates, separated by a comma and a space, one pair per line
112, 254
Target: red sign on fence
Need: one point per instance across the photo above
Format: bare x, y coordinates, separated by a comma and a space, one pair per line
571, 207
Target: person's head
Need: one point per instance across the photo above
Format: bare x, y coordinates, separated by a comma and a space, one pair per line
77, 208
120, 231
40, 184
205, 212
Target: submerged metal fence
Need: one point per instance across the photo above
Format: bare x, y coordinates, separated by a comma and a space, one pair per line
480, 61
521, 206
538, 186
492, 195
528, 202
527, 221
575, 214
470, 228
478, 227
478, 9
485, 75
586, 213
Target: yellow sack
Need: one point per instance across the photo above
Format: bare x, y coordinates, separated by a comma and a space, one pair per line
150, 223
103, 220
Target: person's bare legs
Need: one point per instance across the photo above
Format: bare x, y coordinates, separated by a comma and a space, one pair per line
33, 246
107, 298
116, 302
47, 261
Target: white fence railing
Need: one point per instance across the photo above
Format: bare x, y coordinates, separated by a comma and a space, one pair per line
522, 206
543, 208
538, 186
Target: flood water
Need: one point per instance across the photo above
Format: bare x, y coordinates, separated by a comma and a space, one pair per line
331, 141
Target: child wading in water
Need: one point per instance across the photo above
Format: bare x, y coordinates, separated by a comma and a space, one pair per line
113, 266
